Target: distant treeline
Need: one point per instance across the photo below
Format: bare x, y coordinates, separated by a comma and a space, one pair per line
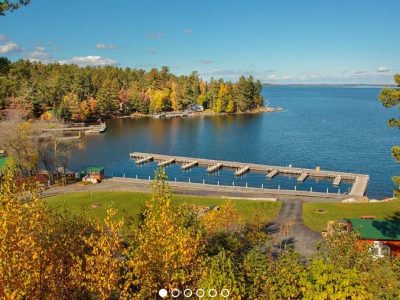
79, 93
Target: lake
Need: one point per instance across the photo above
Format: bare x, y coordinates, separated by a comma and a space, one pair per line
336, 128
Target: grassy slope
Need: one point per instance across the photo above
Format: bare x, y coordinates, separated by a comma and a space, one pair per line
335, 211
130, 204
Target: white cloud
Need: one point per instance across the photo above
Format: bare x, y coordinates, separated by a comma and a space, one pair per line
359, 73
3, 37
9, 47
176, 66
383, 70
152, 50
105, 46
187, 31
40, 54
206, 61
90, 60
155, 35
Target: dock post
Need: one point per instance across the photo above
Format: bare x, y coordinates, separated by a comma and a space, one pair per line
327, 190
262, 185
310, 189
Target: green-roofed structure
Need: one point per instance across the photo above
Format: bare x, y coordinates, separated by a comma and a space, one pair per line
3, 163
382, 234
96, 172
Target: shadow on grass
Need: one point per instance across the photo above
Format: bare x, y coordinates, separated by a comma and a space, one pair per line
390, 226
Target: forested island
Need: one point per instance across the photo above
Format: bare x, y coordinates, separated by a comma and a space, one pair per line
75, 93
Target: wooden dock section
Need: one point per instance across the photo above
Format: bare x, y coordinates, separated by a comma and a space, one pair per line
337, 180
190, 165
214, 168
360, 181
144, 160
272, 174
242, 171
359, 186
87, 129
166, 162
302, 177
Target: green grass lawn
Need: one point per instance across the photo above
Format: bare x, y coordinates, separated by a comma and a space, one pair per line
336, 211
130, 204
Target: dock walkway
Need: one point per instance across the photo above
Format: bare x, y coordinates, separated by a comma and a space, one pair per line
360, 181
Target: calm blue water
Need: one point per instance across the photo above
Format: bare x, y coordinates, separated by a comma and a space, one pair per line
336, 128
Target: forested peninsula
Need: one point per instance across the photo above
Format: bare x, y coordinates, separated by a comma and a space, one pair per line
75, 93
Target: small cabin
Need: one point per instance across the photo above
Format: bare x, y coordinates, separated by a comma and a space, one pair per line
96, 172
382, 235
196, 108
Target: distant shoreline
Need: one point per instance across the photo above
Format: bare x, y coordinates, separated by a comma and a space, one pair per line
330, 85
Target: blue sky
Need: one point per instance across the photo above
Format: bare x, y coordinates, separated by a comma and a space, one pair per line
277, 41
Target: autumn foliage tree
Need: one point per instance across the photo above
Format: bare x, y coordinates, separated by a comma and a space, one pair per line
165, 252
69, 90
391, 98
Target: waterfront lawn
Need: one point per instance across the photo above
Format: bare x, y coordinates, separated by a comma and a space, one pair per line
130, 204
336, 211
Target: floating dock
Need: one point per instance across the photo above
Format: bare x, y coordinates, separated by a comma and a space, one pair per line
166, 162
87, 129
214, 168
337, 181
144, 160
242, 171
190, 165
302, 177
272, 174
359, 181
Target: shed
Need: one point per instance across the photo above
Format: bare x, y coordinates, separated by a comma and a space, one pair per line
386, 231
96, 172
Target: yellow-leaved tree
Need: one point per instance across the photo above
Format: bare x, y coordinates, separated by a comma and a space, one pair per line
36, 245
98, 271
167, 248
21, 255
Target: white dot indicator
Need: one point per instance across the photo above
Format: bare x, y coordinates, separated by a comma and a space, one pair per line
225, 293
187, 293
212, 293
163, 293
200, 293
175, 293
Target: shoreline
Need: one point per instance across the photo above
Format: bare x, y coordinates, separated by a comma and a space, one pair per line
206, 113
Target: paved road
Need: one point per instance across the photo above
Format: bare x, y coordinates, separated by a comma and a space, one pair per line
134, 185
296, 235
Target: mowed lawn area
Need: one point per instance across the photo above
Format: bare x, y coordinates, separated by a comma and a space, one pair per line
336, 211
130, 204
